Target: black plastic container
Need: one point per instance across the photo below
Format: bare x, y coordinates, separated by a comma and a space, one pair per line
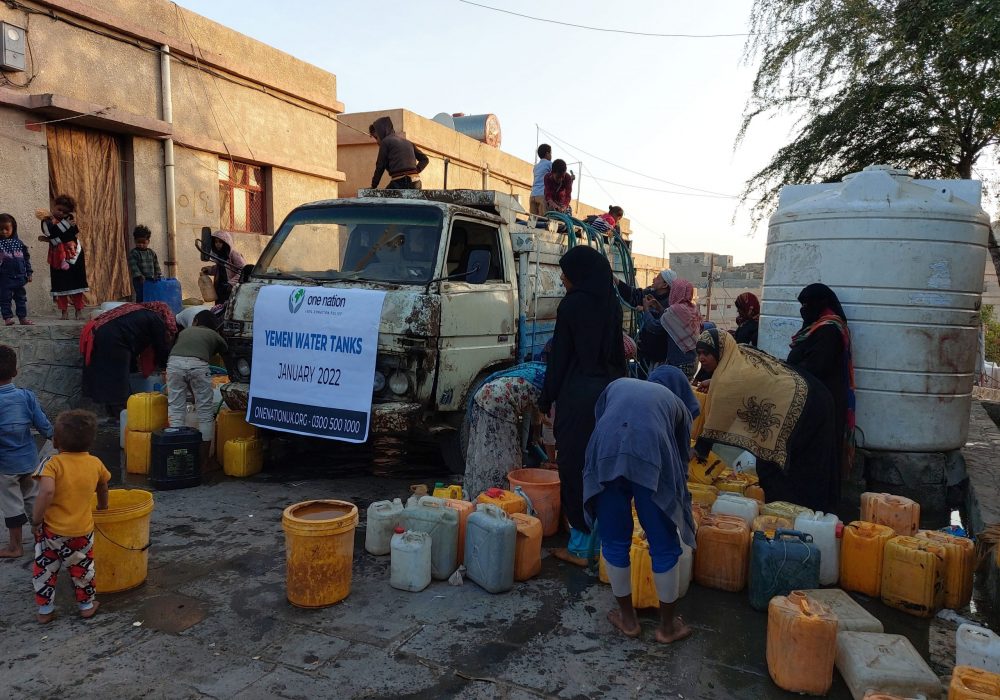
175, 459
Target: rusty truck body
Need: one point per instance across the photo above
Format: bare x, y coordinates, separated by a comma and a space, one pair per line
471, 286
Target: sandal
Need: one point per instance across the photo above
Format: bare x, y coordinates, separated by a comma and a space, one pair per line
24, 322
8, 322
45, 618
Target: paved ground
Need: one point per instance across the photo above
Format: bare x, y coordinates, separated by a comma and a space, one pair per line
212, 621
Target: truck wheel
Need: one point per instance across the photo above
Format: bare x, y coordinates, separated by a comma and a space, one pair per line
454, 446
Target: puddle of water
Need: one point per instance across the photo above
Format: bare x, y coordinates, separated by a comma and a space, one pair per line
171, 613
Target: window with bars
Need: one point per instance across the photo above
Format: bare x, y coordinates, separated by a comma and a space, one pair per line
241, 197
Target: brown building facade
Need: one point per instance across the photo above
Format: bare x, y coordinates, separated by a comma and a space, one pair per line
110, 88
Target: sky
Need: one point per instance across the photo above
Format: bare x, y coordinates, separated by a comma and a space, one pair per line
653, 119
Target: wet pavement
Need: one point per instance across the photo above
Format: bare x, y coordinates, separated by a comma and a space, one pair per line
212, 620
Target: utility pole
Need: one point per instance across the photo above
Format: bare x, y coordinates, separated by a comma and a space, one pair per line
711, 273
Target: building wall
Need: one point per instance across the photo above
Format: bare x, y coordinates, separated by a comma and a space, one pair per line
468, 159
991, 287
695, 266
723, 303
647, 267
233, 97
50, 364
24, 187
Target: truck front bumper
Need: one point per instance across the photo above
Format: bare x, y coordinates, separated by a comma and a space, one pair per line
390, 418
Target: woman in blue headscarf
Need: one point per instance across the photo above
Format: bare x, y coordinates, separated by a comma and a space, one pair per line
675, 380
638, 451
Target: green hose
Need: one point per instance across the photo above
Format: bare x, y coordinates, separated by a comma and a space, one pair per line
618, 248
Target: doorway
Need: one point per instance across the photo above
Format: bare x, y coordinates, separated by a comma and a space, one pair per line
87, 165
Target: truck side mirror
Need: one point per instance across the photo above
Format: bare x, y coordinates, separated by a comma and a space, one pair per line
206, 243
478, 268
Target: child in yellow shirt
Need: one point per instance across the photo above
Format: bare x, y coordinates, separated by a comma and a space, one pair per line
63, 521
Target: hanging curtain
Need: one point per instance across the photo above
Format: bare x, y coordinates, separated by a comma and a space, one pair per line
86, 165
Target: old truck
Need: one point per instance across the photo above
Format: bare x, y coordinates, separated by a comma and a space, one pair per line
471, 286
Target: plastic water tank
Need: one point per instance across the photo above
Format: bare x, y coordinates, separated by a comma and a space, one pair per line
906, 258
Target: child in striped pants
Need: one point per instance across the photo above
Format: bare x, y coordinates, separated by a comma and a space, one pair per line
63, 521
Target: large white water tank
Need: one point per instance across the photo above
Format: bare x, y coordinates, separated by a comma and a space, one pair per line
906, 259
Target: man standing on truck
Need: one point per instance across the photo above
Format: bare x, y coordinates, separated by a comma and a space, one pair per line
402, 159
542, 168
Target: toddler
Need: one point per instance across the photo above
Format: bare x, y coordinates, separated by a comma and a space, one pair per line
18, 456
15, 272
188, 368
142, 261
63, 520
67, 263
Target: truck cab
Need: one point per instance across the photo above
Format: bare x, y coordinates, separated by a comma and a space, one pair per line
470, 288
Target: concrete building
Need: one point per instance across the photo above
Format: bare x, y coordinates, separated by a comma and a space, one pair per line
718, 282
457, 161
647, 267
695, 267
253, 133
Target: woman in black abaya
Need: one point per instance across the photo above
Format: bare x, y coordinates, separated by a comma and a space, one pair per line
586, 356
823, 349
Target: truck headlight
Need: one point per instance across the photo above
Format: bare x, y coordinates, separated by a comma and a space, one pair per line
378, 384
399, 383
243, 367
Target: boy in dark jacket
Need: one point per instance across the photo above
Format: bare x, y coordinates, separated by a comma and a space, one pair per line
402, 159
15, 272
142, 261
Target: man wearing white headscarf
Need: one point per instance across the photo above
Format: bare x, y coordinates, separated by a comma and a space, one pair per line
659, 290
649, 302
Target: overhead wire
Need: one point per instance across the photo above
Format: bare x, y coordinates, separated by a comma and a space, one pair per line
607, 30
630, 218
630, 170
611, 197
215, 82
658, 189
208, 99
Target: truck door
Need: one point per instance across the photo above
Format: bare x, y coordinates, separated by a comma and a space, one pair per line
477, 310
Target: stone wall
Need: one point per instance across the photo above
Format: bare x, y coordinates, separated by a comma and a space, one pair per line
49, 363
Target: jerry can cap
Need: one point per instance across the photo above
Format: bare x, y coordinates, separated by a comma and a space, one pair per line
494, 492
399, 530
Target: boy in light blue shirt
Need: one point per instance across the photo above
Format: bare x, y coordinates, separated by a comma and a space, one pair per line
542, 168
19, 410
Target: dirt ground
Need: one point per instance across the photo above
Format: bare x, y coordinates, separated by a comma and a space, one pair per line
212, 621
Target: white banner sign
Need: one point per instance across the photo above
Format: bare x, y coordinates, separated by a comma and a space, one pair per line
314, 360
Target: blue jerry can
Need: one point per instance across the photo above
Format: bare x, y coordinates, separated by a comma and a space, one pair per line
787, 562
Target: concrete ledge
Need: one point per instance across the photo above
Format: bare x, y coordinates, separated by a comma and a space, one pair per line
982, 454
49, 362
982, 509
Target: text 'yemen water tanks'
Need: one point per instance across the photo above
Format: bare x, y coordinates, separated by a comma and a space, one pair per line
906, 259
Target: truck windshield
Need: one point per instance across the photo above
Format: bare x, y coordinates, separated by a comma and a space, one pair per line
378, 243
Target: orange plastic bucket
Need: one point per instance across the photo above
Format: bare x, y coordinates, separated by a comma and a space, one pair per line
542, 487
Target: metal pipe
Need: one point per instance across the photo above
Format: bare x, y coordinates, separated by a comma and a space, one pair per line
169, 185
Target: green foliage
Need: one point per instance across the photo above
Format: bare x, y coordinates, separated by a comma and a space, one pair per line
911, 83
992, 328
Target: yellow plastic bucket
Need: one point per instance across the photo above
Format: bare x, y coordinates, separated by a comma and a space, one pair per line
121, 540
319, 551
